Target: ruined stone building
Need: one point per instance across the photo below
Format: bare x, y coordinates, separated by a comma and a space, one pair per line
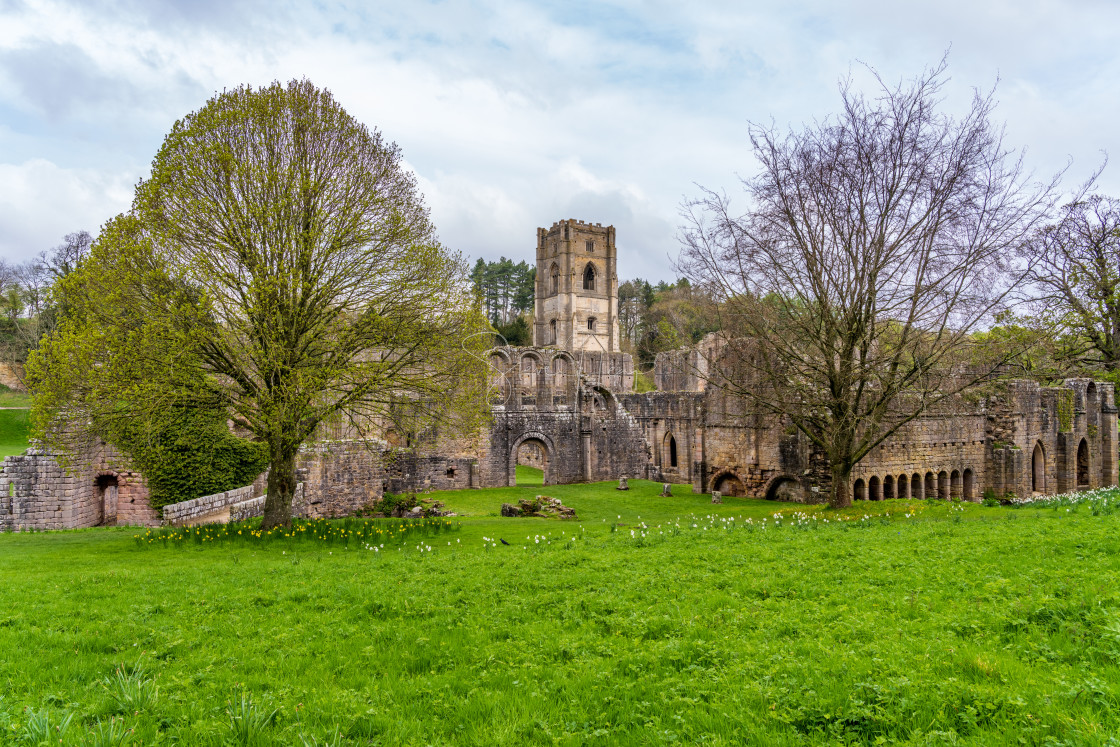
567, 405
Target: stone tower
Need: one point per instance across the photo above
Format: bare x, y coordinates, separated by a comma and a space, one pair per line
577, 288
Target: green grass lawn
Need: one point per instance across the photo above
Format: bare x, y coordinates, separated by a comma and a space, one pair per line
960, 624
12, 398
529, 476
14, 431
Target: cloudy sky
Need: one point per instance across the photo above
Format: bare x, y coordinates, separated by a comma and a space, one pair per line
516, 114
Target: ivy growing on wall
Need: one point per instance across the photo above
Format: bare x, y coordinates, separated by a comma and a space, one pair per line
1065, 411
188, 453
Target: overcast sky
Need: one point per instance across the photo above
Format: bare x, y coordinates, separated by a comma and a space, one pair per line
517, 114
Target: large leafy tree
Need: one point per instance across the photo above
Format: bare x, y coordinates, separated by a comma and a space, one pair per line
874, 244
279, 266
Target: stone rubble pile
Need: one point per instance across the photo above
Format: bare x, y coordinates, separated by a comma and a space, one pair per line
542, 506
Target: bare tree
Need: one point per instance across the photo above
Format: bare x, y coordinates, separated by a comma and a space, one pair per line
875, 243
64, 258
1075, 268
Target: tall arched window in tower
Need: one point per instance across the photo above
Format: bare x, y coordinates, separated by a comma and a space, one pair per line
554, 280
552, 332
589, 277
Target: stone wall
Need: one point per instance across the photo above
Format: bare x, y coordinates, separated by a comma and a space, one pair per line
98, 489
186, 512
340, 477
671, 424
408, 471
251, 508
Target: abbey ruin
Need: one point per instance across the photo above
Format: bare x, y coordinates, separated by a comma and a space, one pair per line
567, 404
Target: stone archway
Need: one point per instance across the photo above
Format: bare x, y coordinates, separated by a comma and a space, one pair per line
785, 488
728, 483
547, 451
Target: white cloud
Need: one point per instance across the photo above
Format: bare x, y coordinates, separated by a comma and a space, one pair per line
41, 202
515, 114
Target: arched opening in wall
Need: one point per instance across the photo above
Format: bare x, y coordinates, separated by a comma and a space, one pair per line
554, 280
500, 390
874, 489
552, 332
859, 490
591, 324
560, 372
943, 485
785, 489
888, 487
969, 485
916, 485
931, 486
671, 451
107, 499
902, 487
530, 364
955, 485
1038, 469
589, 277
1082, 464
729, 484
532, 462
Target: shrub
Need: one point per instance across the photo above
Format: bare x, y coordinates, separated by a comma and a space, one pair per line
188, 453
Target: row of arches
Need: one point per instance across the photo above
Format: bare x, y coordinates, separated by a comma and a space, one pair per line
590, 278
530, 376
946, 484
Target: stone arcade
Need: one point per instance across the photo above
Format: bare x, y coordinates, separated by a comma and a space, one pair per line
567, 405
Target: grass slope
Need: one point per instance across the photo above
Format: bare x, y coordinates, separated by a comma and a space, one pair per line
14, 432
957, 625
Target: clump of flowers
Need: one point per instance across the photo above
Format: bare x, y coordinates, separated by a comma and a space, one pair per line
356, 533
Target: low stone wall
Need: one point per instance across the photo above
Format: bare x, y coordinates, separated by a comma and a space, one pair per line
248, 509
180, 513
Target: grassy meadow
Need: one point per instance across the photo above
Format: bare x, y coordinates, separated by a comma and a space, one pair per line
14, 431
648, 621
15, 425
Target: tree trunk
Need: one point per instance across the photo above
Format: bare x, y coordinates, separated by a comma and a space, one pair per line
840, 493
281, 490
